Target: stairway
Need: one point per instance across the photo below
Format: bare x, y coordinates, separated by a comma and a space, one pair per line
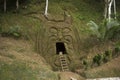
63, 61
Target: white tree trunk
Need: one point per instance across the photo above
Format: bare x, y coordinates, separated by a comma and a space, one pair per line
17, 4
46, 8
115, 9
4, 5
109, 10
106, 8
105, 12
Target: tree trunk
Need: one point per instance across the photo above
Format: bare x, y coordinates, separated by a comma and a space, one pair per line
115, 10
4, 5
106, 11
109, 10
17, 4
46, 8
106, 8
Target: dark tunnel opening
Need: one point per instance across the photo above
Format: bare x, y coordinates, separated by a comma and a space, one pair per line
60, 47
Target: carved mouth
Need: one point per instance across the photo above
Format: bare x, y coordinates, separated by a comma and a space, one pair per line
60, 47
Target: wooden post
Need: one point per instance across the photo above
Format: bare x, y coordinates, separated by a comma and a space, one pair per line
4, 5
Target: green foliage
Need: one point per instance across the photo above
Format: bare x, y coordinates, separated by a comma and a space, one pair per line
107, 56
13, 32
113, 30
102, 58
97, 59
81, 17
94, 28
16, 71
117, 47
85, 63
106, 30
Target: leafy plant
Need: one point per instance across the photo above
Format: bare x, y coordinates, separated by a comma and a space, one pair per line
85, 63
106, 30
97, 59
117, 47
113, 30
94, 28
4, 33
14, 31
107, 56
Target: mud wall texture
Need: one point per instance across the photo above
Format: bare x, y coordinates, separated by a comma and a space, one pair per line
61, 36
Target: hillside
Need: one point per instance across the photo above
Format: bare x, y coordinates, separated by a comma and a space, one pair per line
110, 69
18, 61
23, 32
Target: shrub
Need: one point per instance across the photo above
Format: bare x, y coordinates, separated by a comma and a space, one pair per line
13, 32
106, 30
117, 49
85, 63
97, 59
107, 56
113, 31
4, 33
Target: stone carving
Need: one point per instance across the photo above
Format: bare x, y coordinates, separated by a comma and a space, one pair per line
68, 36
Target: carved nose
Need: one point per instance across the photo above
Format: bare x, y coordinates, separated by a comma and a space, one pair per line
60, 35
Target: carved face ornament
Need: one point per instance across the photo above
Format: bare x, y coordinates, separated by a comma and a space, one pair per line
60, 34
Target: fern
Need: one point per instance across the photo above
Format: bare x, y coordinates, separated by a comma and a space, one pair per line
97, 30
94, 28
112, 24
107, 30
113, 29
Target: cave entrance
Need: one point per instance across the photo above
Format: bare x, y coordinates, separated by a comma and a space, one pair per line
60, 47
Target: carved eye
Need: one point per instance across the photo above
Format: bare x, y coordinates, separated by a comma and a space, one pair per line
66, 30
52, 38
53, 30
68, 38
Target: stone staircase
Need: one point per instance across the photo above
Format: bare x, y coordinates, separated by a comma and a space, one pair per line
63, 61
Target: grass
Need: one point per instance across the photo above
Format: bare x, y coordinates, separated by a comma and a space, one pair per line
22, 65
27, 25
110, 69
22, 71
7, 55
16, 71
